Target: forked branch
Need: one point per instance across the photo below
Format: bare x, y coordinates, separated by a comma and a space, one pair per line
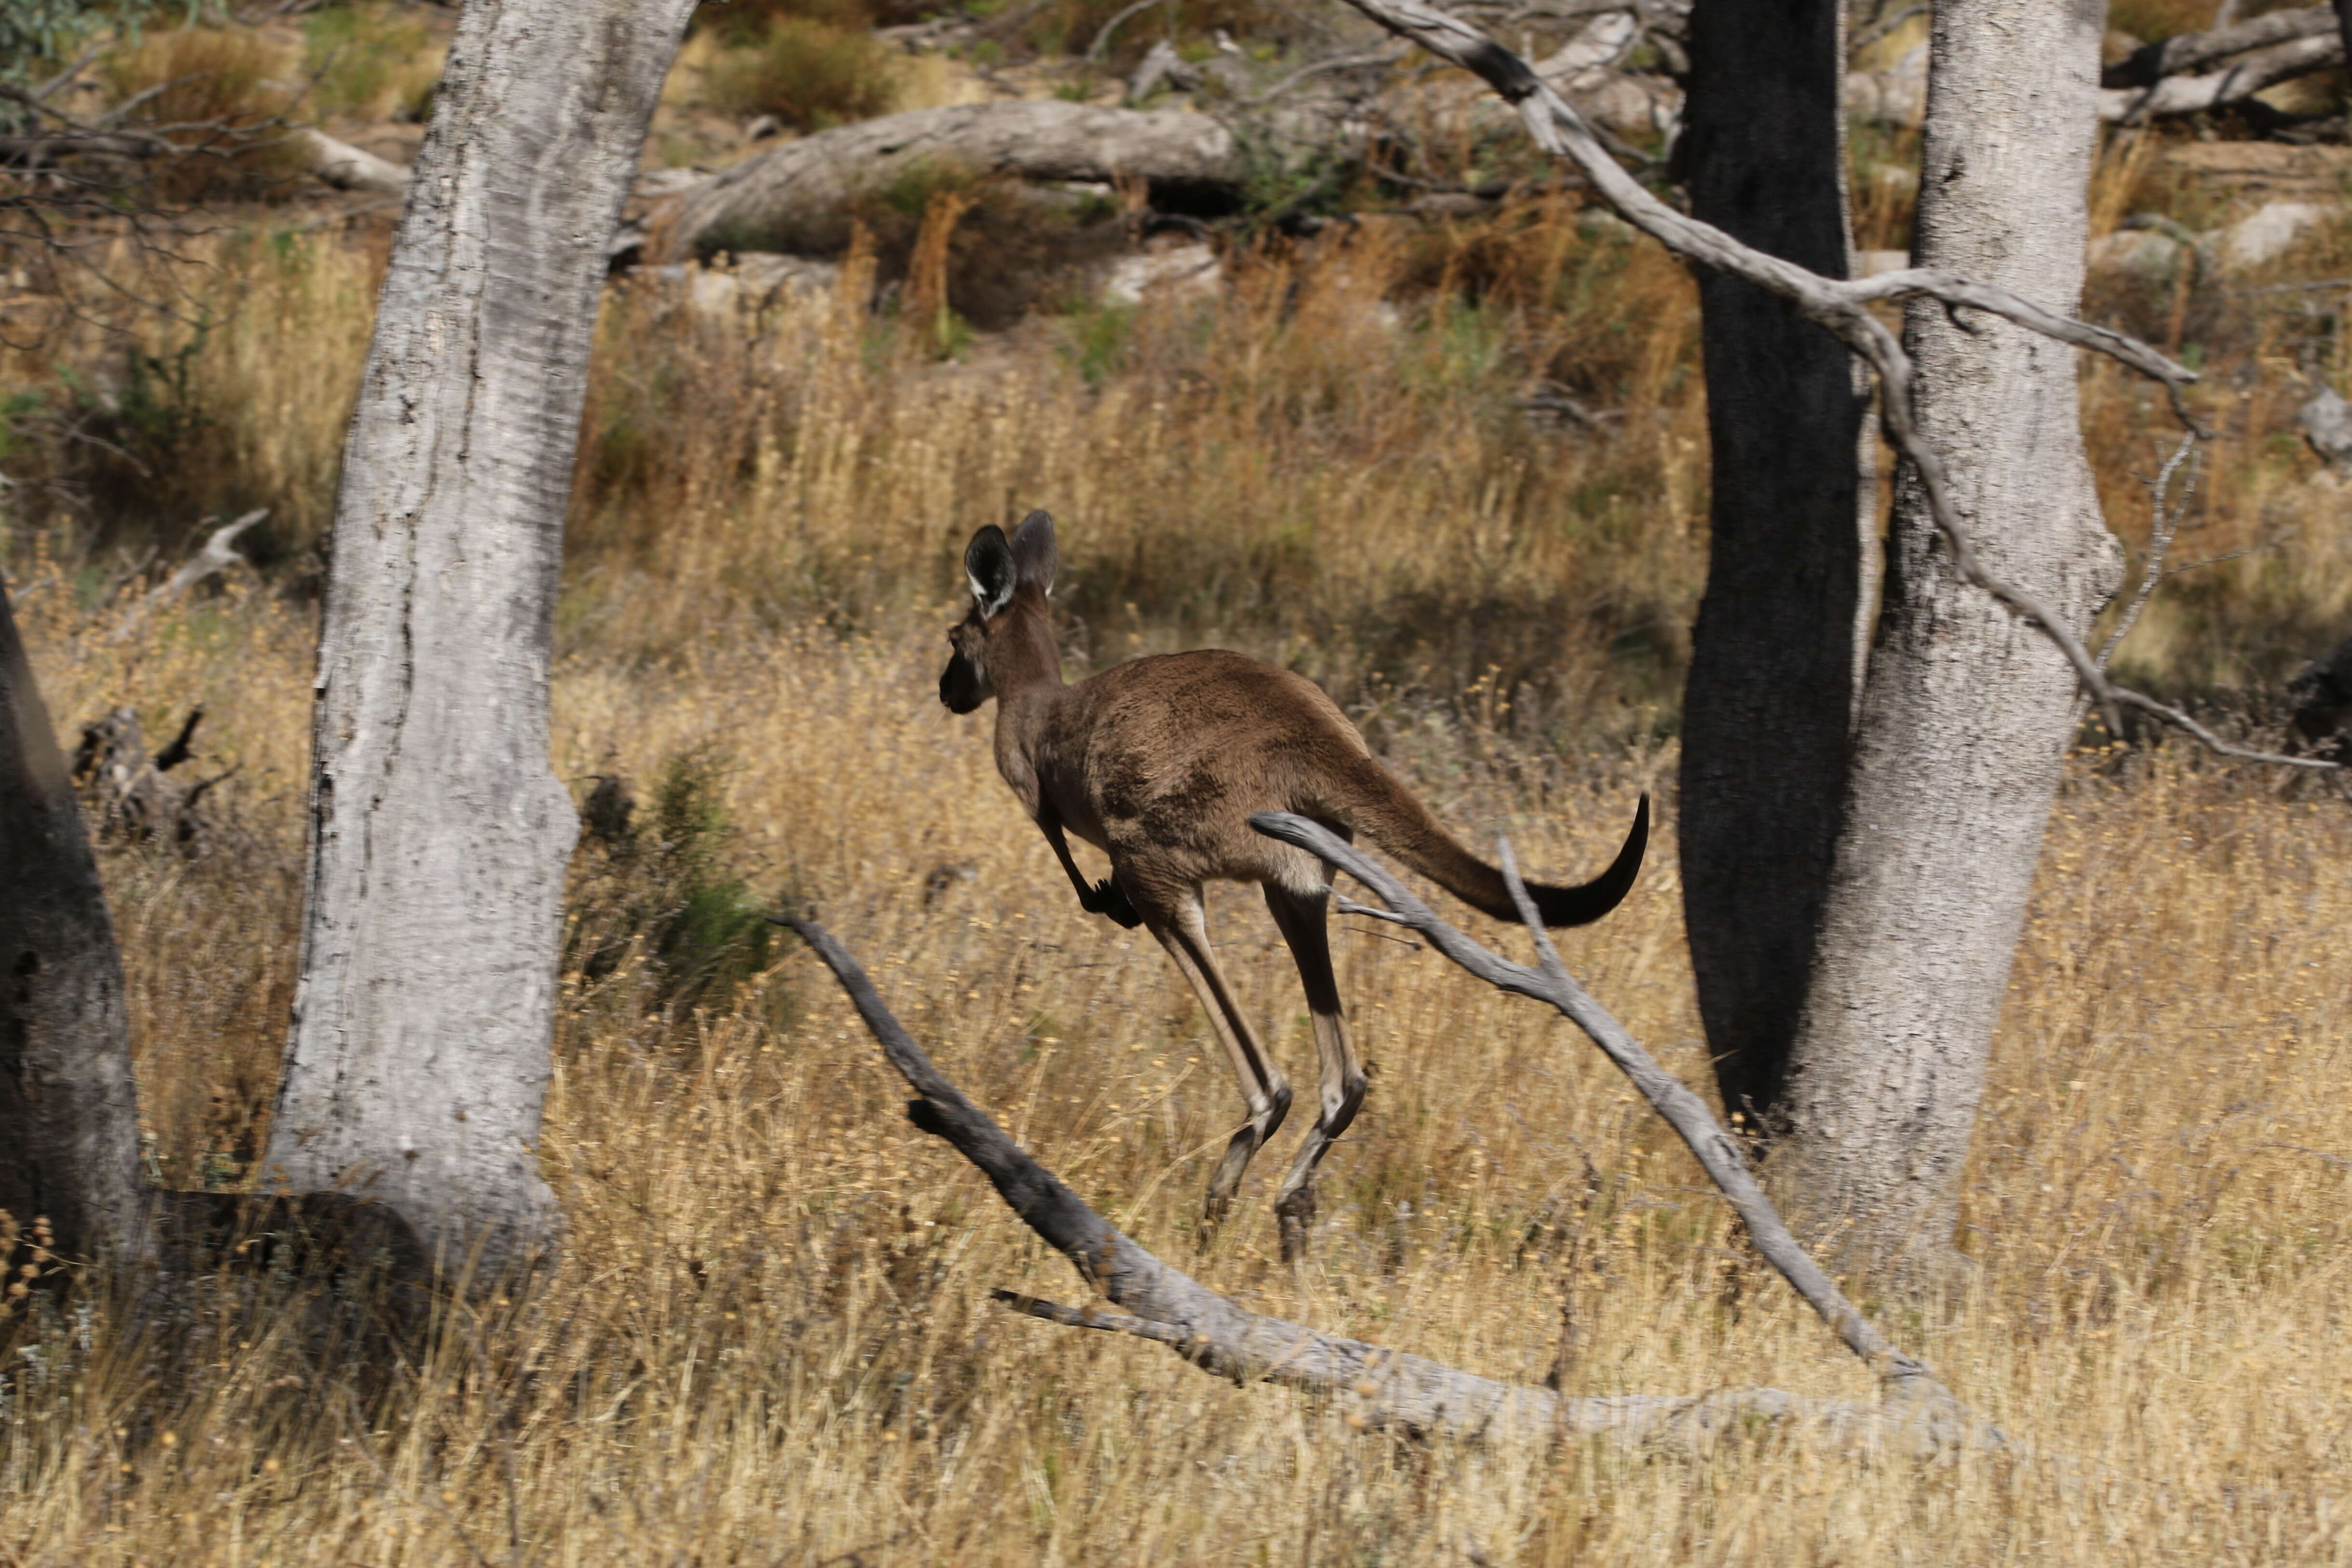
1684, 1110
1840, 305
1387, 1388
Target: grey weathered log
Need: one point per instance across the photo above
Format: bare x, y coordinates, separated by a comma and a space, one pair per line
1967, 712
218, 554
419, 1055
801, 196
350, 168
68, 1110
1769, 703
2187, 54
1684, 1110
1388, 1388
2239, 80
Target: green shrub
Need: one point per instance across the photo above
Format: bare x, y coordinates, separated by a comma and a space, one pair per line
663, 889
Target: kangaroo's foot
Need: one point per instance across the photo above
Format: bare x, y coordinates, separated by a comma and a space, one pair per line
1294, 1210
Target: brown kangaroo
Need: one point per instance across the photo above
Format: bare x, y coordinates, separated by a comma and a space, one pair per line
1159, 762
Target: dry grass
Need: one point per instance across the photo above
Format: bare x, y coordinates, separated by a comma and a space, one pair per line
769, 1339
221, 94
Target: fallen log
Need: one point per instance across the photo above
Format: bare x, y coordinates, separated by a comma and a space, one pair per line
1387, 1388
2234, 83
800, 196
2189, 53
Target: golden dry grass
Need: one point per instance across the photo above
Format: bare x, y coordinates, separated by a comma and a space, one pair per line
769, 1341
768, 1338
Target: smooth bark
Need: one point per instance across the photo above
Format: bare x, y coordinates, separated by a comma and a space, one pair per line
68, 1110
419, 1055
801, 196
1768, 706
1967, 707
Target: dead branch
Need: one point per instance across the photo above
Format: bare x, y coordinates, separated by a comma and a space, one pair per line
2185, 54
1841, 306
2253, 73
218, 555
1388, 1388
1714, 1149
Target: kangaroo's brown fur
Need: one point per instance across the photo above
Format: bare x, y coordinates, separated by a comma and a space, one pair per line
1159, 762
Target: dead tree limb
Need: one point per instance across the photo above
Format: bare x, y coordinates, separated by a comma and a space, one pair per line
1389, 1388
2187, 54
2234, 83
1684, 1110
218, 554
1840, 305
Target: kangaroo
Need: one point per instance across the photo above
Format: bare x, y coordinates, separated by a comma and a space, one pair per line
1159, 762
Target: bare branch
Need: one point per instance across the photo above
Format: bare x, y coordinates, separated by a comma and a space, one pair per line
1389, 1387
1714, 1149
2178, 95
1839, 305
2188, 53
218, 555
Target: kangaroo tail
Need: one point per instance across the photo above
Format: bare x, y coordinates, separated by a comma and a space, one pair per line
1385, 812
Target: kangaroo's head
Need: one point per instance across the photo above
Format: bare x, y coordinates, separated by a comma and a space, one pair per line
1001, 641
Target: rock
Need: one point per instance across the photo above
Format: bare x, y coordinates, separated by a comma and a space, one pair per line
1895, 97
1174, 271
2269, 233
2326, 422
2142, 255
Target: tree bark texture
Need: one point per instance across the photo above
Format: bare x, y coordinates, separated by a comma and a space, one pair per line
1769, 707
419, 1055
68, 1110
1966, 708
802, 196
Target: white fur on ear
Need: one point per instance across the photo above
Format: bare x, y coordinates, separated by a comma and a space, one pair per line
989, 607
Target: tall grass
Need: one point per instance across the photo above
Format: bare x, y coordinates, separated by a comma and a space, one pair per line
768, 1338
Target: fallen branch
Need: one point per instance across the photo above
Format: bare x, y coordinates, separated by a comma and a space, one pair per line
1389, 1388
800, 196
2185, 54
218, 555
2256, 72
1684, 1110
1840, 305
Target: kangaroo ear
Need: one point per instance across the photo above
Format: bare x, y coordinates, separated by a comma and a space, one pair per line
1033, 551
988, 563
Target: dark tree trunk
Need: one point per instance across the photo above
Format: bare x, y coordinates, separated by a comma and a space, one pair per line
1769, 710
68, 1114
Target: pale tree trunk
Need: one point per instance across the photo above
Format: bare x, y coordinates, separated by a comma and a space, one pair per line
1768, 708
1966, 708
419, 1055
68, 1113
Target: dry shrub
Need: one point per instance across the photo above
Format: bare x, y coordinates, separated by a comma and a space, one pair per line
373, 60
808, 72
137, 428
219, 94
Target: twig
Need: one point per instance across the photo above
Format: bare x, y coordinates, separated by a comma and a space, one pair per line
1841, 306
1100, 44
2161, 526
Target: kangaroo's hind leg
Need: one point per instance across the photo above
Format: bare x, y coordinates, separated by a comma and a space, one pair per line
1175, 917
1340, 1090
